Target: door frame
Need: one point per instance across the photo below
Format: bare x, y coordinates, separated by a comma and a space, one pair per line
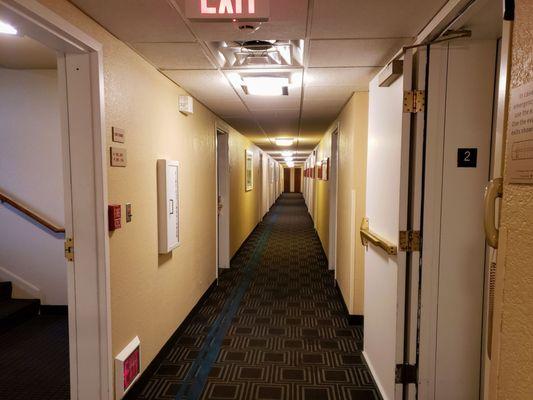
80, 73
222, 235
333, 198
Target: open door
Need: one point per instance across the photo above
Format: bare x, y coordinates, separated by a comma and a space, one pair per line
460, 121
223, 195
390, 207
333, 195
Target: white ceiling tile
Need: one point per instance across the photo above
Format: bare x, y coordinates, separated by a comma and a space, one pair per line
371, 19
228, 108
209, 84
363, 36
357, 78
175, 55
354, 52
245, 125
336, 95
139, 20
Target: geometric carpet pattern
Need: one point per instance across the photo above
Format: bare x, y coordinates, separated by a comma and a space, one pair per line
289, 338
34, 360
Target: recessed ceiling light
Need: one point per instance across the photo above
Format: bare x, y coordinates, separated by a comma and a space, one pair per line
266, 85
7, 29
287, 153
289, 159
290, 164
284, 142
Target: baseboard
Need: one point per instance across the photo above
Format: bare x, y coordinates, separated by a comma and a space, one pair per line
21, 283
135, 390
373, 373
54, 310
243, 243
353, 319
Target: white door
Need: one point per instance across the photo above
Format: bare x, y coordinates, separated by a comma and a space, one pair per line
386, 209
332, 256
223, 190
265, 186
460, 118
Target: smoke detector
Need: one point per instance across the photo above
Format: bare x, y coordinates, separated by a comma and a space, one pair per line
246, 27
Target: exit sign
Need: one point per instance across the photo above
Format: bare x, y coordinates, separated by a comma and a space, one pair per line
228, 10
127, 367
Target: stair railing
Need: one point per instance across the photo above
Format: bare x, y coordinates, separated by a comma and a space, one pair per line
4, 198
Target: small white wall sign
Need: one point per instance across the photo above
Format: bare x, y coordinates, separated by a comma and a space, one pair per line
521, 135
119, 135
119, 157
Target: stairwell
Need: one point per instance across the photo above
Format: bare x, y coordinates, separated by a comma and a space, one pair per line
15, 311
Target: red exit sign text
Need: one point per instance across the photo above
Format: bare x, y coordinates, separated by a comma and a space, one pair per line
227, 10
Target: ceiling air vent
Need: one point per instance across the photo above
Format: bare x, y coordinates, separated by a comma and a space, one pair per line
256, 53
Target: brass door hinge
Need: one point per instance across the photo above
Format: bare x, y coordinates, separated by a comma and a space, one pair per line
414, 101
410, 241
69, 249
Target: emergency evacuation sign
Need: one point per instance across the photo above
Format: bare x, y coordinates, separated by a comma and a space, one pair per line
227, 10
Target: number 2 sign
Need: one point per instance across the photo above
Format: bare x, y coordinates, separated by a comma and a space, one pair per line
467, 158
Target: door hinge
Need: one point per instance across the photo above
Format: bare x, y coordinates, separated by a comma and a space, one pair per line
414, 101
406, 373
410, 241
69, 249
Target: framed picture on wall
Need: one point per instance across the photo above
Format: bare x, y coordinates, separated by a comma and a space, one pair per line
319, 166
249, 170
325, 169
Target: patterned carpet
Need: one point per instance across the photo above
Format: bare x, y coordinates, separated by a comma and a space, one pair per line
287, 336
34, 360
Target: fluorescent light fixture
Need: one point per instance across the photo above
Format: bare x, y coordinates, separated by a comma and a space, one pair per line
7, 29
284, 142
287, 153
266, 85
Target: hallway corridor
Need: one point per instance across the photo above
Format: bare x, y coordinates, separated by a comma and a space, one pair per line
274, 328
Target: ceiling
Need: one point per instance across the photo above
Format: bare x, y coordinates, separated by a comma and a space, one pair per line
22, 52
337, 47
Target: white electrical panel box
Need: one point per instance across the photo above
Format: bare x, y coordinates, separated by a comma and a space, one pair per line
186, 105
168, 205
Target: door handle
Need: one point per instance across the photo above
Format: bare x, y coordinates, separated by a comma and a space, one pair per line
493, 191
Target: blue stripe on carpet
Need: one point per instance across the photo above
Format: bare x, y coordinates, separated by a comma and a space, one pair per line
196, 379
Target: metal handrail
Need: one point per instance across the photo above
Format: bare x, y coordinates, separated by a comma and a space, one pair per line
367, 236
4, 198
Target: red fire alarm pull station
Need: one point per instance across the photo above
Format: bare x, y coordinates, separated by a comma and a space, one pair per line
114, 212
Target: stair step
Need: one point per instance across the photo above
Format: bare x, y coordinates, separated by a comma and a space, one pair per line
6, 289
16, 311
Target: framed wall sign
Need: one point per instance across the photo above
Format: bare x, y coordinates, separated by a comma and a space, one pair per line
249, 170
325, 169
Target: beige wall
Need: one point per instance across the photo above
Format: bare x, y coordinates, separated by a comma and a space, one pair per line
352, 149
150, 294
244, 206
321, 202
512, 368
